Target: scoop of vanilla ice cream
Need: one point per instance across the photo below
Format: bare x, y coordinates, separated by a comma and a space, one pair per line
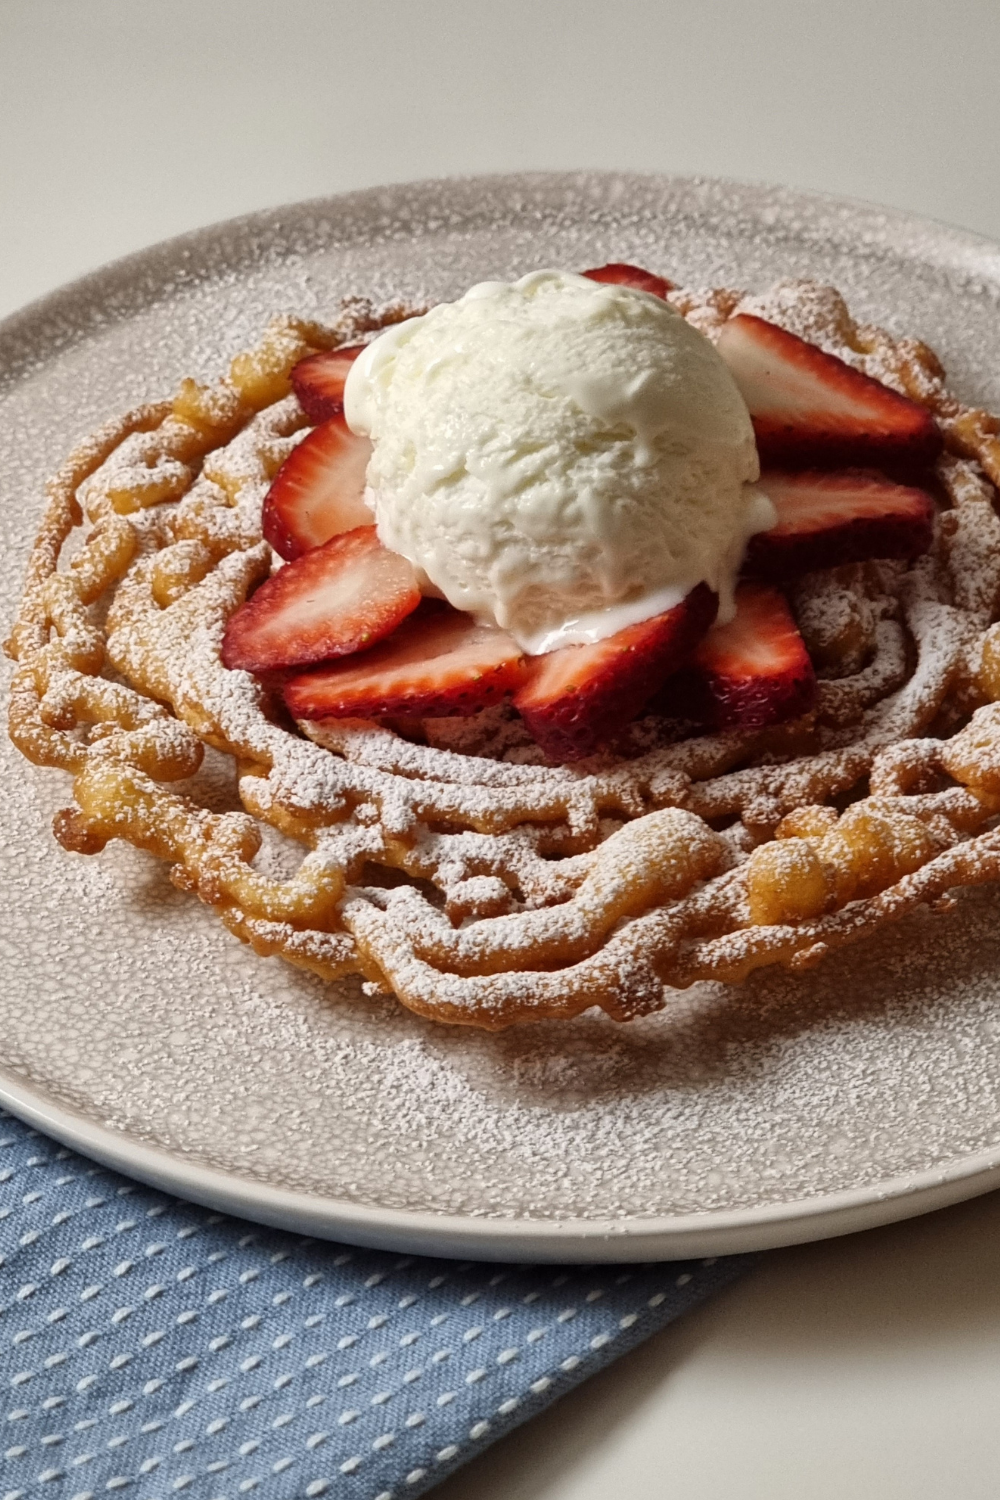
560, 456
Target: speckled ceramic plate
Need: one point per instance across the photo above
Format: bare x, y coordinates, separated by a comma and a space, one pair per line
135, 1028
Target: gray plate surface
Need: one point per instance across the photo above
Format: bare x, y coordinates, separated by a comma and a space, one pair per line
134, 1027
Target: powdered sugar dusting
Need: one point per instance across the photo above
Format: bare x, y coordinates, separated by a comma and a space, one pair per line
727, 1098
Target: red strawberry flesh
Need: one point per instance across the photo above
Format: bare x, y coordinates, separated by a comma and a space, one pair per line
319, 490
827, 519
339, 598
748, 674
810, 409
318, 381
440, 662
620, 274
577, 697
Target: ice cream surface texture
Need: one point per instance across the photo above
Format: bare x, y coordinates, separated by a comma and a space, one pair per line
561, 456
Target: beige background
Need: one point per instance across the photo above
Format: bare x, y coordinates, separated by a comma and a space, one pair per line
863, 1367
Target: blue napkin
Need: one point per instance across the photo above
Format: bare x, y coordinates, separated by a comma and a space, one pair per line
153, 1346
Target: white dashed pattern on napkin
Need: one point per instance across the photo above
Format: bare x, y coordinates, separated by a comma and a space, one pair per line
152, 1347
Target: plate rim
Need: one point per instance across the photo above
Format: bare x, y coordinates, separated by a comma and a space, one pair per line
635, 1238
878, 218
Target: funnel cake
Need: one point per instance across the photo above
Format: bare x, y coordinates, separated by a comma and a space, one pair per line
447, 861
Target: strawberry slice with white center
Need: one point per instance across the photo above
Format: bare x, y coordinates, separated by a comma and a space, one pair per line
318, 381
319, 490
826, 519
621, 274
811, 409
576, 697
439, 663
751, 673
337, 599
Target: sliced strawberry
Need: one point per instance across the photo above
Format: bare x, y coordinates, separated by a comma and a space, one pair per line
318, 381
439, 663
319, 490
576, 697
748, 674
339, 598
621, 274
825, 519
811, 409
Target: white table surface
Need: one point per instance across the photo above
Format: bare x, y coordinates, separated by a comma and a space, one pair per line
864, 1367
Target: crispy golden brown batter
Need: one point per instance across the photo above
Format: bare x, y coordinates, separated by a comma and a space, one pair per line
448, 862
